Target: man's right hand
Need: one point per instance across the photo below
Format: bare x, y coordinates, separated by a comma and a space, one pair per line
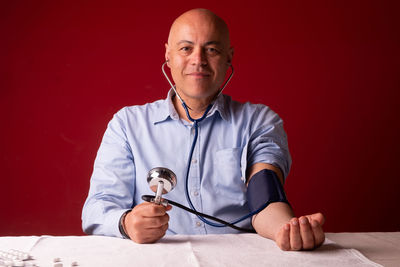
147, 222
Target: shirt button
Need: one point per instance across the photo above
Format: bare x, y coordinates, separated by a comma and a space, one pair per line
195, 193
194, 161
198, 224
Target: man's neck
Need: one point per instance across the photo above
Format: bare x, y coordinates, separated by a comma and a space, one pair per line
196, 107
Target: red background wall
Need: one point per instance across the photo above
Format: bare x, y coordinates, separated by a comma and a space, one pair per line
329, 68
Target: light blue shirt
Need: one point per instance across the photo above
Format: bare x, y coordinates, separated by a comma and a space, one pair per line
231, 138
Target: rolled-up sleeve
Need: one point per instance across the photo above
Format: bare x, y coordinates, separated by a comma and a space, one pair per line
268, 141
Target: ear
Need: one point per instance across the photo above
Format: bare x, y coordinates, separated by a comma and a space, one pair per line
167, 54
230, 55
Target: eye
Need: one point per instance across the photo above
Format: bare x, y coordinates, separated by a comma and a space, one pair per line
185, 49
212, 51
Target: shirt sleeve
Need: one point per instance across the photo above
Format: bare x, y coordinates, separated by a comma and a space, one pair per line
267, 141
112, 183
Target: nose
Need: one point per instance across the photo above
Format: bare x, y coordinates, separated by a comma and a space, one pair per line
198, 57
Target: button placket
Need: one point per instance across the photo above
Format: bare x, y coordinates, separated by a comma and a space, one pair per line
194, 181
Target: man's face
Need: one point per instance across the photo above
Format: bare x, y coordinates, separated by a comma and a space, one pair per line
198, 53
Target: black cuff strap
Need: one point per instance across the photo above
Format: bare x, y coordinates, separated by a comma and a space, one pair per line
264, 188
121, 225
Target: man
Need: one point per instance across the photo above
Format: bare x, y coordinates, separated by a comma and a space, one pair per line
236, 142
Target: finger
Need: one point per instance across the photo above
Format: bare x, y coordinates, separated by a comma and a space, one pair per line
319, 235
155, 210
156, 233
149, 210
138, 222
154, 222
148, 235
164, 228
142, 209
160, 232
318, 217
307, 235
295, 238
283, 237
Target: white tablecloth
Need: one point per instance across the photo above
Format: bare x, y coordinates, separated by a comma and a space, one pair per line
202, 250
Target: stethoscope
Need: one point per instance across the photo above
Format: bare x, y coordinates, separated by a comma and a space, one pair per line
162, 180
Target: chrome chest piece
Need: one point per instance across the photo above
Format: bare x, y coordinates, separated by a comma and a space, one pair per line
161, 181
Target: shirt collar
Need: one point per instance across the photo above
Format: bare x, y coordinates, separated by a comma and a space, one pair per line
220, 106
167, 110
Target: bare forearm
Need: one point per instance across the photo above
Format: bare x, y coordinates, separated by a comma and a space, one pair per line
268, 222
277, 221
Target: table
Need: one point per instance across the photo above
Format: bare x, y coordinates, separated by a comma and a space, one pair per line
340, 249
382, 248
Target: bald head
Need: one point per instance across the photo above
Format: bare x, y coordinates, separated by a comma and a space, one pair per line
200, 19
198, 54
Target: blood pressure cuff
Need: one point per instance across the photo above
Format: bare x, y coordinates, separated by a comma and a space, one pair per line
264, 188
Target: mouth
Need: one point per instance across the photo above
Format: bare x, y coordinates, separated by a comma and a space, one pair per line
199, 74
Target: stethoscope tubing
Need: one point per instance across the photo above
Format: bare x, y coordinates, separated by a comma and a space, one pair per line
195, 122
150, 198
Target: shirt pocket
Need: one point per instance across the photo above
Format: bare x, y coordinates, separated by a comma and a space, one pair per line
228, 182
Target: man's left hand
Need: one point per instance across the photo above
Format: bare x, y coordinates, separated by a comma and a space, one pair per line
303, 233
